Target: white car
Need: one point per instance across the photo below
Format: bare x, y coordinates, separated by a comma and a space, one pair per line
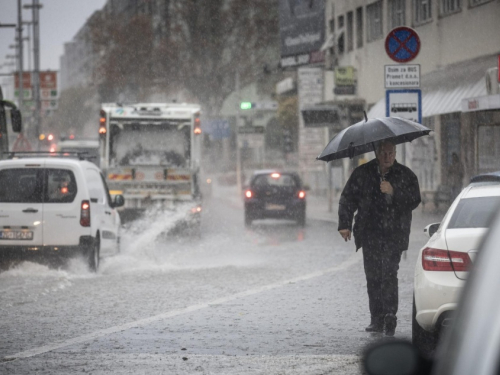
54, 208
444, 262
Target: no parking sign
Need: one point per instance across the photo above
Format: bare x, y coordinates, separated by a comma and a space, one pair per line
402, 44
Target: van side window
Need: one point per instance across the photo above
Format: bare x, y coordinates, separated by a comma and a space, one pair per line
96, 189
61, 186
106, 189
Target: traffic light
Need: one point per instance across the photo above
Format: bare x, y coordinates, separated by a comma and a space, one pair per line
246, 105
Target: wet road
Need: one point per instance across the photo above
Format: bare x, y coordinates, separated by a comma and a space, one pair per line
274, 298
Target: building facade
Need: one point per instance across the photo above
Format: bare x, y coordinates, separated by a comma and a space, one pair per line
458, 44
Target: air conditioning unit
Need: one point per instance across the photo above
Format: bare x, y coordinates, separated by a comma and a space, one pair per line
492, 84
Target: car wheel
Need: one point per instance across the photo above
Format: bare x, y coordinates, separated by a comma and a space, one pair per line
93, 255
425, 341
301, 219
248, 219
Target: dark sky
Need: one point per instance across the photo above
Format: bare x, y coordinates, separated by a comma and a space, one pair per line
60, 20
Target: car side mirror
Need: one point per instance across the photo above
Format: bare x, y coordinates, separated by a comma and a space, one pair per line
395, 357
16, 120
118, 200
431, 229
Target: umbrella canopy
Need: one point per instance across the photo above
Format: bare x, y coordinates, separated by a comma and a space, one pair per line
361, 137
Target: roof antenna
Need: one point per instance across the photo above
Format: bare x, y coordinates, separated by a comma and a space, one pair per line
366, 118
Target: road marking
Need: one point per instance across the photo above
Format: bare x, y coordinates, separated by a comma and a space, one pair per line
142, 322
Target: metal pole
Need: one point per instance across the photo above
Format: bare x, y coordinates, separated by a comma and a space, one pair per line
20, 54
238, 155
36, 71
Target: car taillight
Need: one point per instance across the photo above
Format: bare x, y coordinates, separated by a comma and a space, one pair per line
302, 194
444, 260
85, 214
248, 194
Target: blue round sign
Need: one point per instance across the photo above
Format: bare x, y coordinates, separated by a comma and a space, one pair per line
402, 44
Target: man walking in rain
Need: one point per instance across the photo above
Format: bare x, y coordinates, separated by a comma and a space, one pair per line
383, 194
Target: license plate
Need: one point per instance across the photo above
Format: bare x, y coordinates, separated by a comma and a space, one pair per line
16, 235
275, 207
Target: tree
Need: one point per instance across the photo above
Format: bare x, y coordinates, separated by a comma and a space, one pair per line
205, 45
126, 57
78, 110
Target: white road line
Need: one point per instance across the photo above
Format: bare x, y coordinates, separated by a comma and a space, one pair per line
141, 322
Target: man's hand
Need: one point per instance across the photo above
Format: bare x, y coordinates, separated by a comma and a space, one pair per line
386, 188
346, 234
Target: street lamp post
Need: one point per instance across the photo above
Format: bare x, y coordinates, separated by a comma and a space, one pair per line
20, 54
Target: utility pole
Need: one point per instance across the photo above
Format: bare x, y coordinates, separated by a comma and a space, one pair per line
20, 54
35, 7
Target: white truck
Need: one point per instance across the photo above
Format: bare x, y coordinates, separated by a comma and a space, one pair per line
150, 154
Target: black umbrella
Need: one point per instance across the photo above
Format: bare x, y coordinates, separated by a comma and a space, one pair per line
361, 137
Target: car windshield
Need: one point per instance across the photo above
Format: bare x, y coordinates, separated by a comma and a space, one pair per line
474, 213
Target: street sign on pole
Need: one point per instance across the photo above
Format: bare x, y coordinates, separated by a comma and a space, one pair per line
402, 76
402, 44
404, 103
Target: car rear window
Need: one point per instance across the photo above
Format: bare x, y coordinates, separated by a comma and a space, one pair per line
36, 185
284, 180
474, 212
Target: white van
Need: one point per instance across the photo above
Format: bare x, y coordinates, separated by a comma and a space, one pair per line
54, 207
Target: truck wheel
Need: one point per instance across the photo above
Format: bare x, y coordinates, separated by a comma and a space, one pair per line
92, 255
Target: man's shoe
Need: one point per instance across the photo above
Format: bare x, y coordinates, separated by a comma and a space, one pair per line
390, 321
376, 325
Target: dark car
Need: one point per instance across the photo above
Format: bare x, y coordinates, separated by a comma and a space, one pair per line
277, 195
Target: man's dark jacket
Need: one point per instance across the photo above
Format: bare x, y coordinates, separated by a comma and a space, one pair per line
379, 216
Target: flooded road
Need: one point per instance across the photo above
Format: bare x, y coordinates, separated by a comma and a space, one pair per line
272, 298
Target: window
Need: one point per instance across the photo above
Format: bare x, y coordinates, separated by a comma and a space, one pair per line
21, 185
350, 31
61, 186
359, 27
27, 186
94, 183
397, 15
283, 181
374, 21
449, 6
341, 22
474, 212
423, 11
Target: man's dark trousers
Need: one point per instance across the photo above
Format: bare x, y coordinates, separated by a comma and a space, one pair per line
381, 262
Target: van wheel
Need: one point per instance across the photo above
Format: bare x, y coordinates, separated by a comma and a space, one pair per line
93, 254
425, 341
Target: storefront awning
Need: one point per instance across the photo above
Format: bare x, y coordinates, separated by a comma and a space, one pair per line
444, 89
